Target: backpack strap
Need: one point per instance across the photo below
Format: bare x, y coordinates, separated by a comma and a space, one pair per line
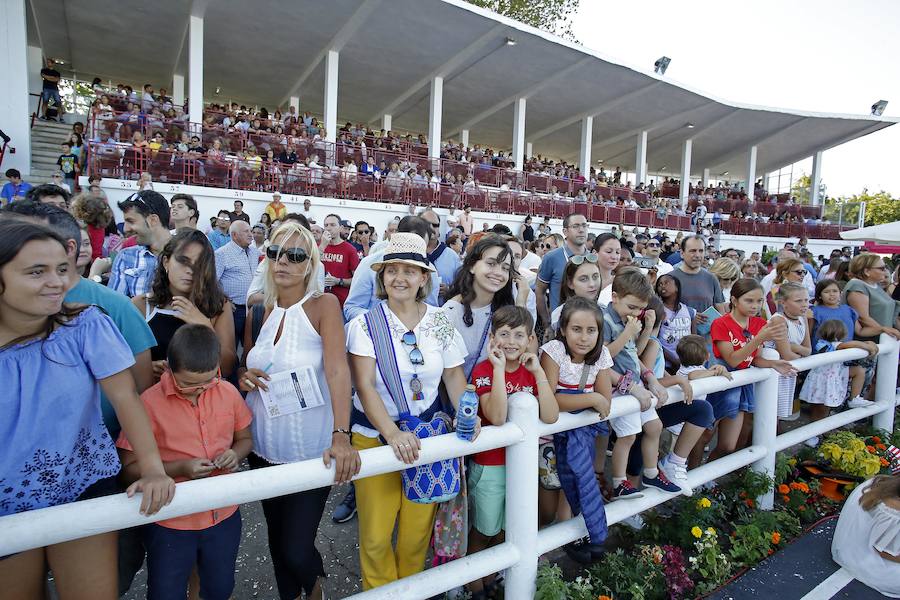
385, 356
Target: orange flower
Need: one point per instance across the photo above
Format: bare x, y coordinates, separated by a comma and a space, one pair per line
870, 449
803, 487
783, 489
801, 508
604, 597
743, 494
749, 502
786, 498
776, 537
876, 439
881, 446
771, 552
884, 461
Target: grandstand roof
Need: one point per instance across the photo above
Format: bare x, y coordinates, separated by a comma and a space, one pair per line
264, 51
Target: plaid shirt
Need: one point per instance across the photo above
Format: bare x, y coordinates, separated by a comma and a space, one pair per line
235, 267
133, 271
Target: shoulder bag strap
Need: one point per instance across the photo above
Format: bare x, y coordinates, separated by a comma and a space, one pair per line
585, 371
484, 334
385, 356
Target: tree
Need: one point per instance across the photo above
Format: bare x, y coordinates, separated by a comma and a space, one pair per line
554, 16
880, 207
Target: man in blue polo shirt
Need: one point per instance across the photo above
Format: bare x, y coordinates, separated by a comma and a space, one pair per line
445, 260
575, 230
15, 189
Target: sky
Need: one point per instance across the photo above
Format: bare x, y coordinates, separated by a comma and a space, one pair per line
821, 55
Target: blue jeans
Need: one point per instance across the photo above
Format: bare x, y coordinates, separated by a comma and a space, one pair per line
47, 95
698, 412
172, 554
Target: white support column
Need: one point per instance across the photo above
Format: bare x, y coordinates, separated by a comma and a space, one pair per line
435, 112
815, 179
15, 104
518, 146
331, 97
464, 138
295, 102
195, 70
685, 172
35, 64
705, 181
765, 426
529, 150
386, 122
765, 180
640, 162
584, 158
751, 172
178, 89
885, 384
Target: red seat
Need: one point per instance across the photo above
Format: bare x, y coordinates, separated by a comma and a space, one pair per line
614, 214
630, 216
598, 214
522, 203
645, 218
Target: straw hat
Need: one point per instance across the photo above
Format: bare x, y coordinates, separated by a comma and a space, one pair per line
406, 248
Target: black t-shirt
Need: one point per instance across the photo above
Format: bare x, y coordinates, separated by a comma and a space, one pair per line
528, 233
50, 85
240, 217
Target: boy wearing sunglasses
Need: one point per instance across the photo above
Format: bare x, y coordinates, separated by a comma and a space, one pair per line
202, 428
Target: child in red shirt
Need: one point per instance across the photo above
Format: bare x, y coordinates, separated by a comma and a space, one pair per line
510, 369
202, 427
736, 339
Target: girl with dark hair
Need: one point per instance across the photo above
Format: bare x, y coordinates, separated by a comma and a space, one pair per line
679, 320
608, 249
54, 360
581, 277
185, 290
483, 283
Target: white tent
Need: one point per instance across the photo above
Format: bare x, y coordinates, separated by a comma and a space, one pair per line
886, 233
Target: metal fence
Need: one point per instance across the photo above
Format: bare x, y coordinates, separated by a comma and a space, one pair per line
524, 542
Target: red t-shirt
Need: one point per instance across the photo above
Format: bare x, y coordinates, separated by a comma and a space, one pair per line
726, 329
340, 260
520, 380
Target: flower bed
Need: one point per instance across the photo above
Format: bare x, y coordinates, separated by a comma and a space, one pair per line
691, 546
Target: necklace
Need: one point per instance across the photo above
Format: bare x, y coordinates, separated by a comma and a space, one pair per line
415, 384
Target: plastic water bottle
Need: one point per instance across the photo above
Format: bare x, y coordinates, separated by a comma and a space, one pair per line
467, 414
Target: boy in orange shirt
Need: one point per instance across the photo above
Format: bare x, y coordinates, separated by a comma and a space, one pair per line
202, 427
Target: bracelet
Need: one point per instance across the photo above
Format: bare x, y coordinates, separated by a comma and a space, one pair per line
645, 373
344, 431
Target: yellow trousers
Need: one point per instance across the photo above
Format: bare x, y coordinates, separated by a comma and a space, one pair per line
381, 506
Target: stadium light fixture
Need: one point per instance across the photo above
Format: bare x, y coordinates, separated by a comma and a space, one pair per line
689, 125
661, 64
878, 107
723, 174
511, 41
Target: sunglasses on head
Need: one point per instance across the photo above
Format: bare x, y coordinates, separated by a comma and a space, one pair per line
578, 259
294, 255
415, 355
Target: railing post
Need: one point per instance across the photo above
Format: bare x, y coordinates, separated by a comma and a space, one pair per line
886, 384
765, 426
521, 497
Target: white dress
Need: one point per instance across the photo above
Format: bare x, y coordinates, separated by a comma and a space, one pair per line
859, 534
301, 435
827, 384
787, 386
442, 347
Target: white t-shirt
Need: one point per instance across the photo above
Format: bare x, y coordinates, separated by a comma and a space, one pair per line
442, 348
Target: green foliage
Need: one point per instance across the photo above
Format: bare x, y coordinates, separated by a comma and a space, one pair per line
776, 520
709, 562
841, 211
555, 16
749, 545
635, 575
800, 189
550, 583
880, 207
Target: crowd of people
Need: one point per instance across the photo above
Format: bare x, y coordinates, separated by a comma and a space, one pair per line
163, 350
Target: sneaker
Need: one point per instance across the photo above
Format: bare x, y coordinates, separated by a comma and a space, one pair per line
661, 482
812, 442
626, 490
346, 510
677, 474
584, 552
634, 521
547, 474
859, 402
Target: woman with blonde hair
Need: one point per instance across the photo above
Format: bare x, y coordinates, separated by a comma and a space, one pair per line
750, 269
788, 269
727, 272
302, 336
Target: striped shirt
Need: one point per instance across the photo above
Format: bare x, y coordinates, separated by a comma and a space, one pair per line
235, 267
133, 271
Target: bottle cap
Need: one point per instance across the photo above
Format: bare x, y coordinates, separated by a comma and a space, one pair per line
470, 387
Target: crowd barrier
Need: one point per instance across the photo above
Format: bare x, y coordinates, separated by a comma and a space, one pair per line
524, 543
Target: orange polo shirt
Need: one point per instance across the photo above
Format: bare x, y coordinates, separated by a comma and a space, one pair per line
183, 431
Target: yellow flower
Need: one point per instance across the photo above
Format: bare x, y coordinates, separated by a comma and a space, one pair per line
703, 503
710, 531
696, 531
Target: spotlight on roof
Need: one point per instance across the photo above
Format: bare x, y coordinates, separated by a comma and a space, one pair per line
878, 108
511, 41
218, 89
689, 125
661, 65
723, 174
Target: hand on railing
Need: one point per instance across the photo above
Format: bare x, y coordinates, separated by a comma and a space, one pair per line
346, 458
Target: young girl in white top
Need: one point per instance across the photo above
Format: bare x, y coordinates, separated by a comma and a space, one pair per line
793, 299
578, 367
582, 278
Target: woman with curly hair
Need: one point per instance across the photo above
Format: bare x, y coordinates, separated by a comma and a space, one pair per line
185, 290
97, 215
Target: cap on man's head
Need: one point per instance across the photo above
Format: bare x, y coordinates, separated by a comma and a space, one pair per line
346, 223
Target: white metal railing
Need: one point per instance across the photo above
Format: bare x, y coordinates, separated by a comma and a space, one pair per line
524, 543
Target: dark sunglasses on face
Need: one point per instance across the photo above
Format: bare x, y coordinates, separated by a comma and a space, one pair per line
294, 255
362, 232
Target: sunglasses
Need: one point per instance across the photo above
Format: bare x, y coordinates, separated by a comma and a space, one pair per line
799, 272
415, 355
202, 387
547, 246
294, 255
362, 232
578, 259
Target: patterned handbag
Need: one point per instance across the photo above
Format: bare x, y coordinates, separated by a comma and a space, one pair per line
425, 484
